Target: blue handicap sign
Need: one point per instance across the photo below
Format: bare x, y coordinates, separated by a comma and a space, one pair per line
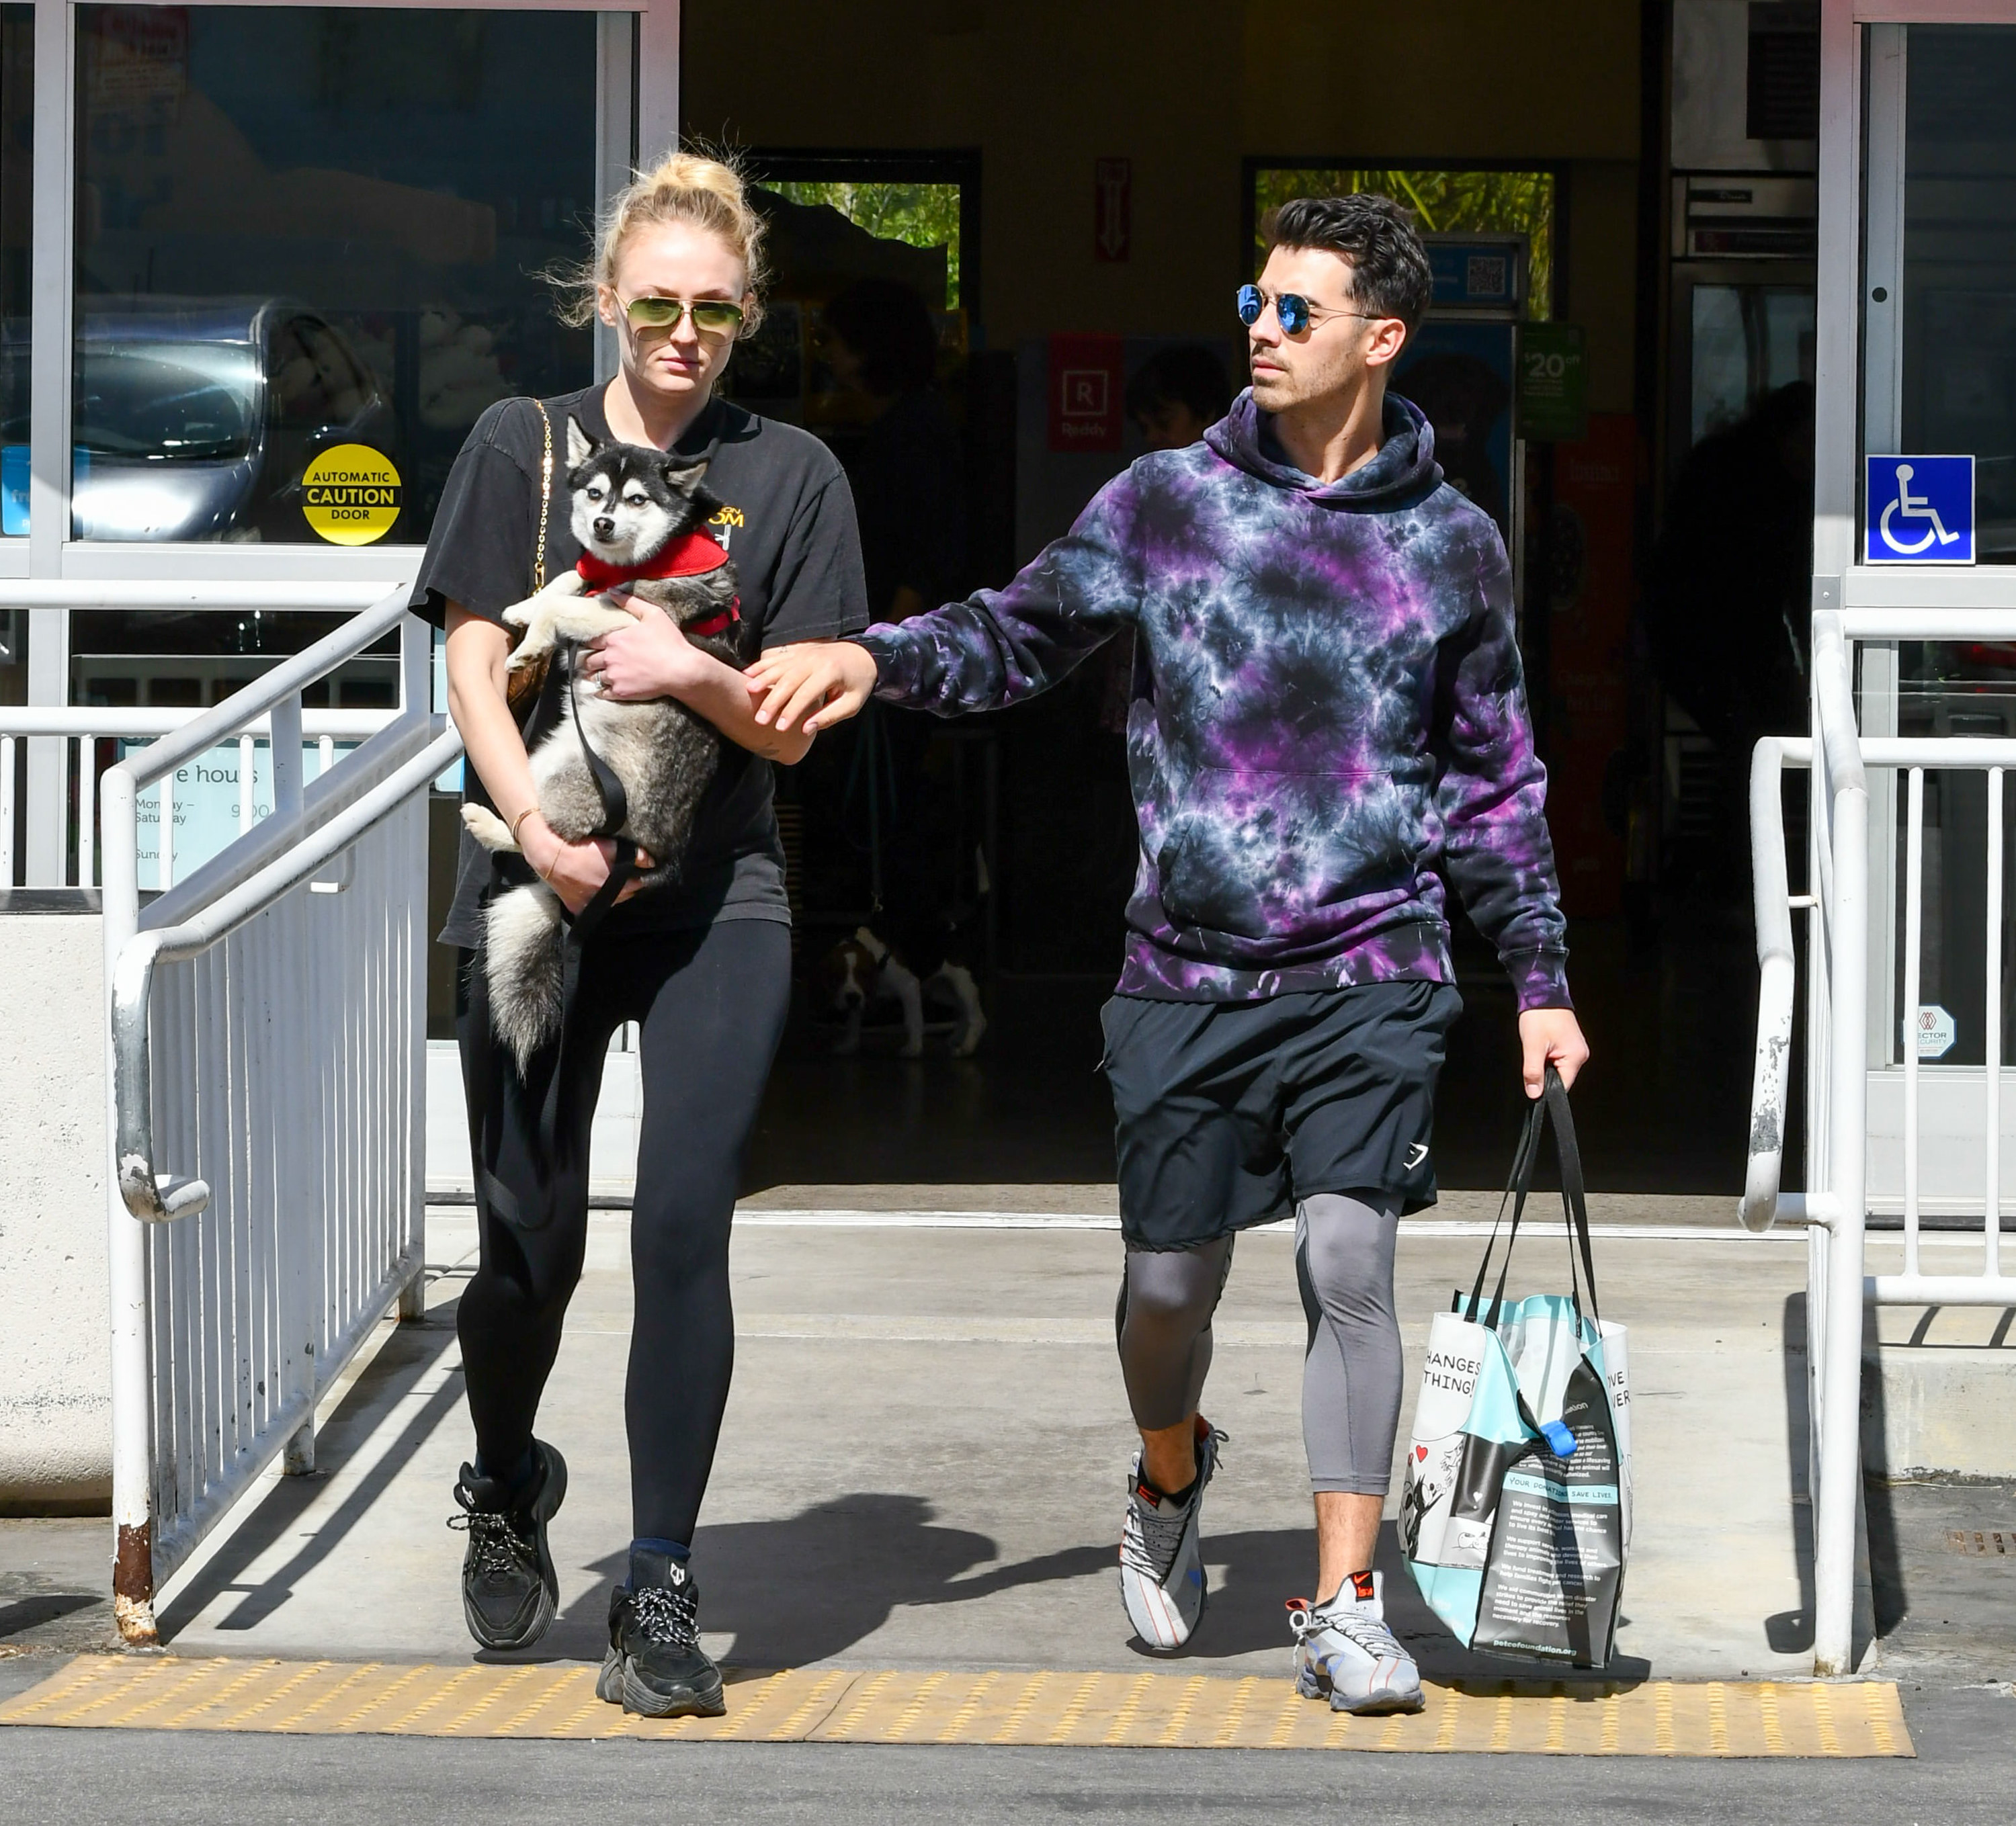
1918, 510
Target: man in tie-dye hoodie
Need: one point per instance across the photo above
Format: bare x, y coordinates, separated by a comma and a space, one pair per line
1327, 716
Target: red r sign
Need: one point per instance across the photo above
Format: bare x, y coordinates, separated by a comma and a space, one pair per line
1087, 378
1112, 208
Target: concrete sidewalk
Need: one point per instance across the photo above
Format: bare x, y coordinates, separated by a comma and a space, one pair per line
923, 1459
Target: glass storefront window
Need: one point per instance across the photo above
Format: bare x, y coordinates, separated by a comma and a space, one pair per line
838, 220
1749, 341
1957, 350
309, 244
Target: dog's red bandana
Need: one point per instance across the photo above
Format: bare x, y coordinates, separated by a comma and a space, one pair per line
690, 555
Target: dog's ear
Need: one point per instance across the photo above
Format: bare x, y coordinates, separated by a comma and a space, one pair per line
580, 445
686, 475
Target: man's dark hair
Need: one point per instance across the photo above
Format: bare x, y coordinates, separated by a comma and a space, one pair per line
889, 326
1389, 265
1189, 374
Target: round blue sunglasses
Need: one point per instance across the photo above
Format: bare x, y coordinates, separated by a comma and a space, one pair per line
1294, 311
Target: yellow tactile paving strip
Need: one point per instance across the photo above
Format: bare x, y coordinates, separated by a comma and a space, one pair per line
1169, 1710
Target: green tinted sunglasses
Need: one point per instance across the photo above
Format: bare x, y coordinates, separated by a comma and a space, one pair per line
712, 316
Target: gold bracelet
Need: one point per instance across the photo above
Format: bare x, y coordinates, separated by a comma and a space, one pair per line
518, 820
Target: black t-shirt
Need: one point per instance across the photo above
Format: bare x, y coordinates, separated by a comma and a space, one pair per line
789, 526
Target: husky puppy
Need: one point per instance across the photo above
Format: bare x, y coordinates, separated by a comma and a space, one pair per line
638, 514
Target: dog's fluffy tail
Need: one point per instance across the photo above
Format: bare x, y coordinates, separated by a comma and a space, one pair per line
523, 965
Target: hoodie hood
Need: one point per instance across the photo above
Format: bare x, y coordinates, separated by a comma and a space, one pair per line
1404, 470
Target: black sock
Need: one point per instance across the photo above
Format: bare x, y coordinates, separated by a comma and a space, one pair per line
1179, 1497
676, 1551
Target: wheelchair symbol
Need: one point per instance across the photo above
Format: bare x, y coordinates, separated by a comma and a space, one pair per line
1912, 507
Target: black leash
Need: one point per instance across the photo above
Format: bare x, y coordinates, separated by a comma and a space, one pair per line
562, 676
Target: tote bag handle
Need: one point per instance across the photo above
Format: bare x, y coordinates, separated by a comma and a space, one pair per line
1551, 1104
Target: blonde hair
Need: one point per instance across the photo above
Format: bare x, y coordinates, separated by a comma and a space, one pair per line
701, 189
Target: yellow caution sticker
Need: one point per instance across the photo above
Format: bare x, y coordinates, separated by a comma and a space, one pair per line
350, 495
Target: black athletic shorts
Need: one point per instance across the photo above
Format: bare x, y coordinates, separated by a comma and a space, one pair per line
1227, 1112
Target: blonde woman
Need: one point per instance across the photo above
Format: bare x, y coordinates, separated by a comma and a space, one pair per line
701, 964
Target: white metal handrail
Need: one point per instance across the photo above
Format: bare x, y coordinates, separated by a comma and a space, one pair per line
1838, 922
49, 770
80, 729
1835, 1212
160, 1198
267, 1037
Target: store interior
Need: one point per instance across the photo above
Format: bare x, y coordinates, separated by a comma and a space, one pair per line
1004, 242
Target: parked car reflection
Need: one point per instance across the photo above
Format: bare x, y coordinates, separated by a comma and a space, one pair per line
194, 420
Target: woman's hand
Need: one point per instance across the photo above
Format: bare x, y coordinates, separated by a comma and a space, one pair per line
830, 679
649, 659
575, 871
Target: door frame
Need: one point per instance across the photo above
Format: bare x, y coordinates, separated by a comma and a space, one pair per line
1858, 370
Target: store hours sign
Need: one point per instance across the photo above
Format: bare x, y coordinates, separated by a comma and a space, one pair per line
206, 805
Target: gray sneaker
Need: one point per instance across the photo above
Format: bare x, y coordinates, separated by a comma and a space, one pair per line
1162, 1579
1345, 1651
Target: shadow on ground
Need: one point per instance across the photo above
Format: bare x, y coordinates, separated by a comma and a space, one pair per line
405, 1356
815, 1586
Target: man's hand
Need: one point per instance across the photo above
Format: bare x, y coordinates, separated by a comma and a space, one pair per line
649, 659
823, 682
1551, 1037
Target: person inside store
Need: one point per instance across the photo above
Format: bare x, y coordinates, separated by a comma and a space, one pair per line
701, 963
872, 798
1175, 397
881, 345
1331, 718
1729, 603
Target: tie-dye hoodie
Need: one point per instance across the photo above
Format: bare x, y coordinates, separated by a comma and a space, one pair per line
1327, 708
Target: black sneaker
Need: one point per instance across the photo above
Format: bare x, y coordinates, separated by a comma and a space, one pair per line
510, 1589
655, 1664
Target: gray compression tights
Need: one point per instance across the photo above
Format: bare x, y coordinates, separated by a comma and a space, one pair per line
1352, 1371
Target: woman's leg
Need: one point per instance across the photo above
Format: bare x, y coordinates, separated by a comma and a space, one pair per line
531, 1213
708, 1038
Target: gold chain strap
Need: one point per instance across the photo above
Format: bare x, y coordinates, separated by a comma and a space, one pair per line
546, 494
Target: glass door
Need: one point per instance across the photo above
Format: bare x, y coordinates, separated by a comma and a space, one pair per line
1917, 303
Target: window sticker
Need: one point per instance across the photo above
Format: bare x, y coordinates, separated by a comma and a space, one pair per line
350, 495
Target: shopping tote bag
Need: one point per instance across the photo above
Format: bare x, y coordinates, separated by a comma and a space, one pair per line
1516, 1515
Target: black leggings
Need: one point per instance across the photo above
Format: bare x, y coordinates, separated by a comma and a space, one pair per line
710, 1004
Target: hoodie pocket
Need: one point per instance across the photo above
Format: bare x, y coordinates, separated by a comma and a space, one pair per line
1260, 852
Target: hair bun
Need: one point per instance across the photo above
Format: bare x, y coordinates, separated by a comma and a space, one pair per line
701, 189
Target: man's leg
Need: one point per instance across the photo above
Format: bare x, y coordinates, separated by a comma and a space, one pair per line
1167, 1298
1198, 1161
1351, 1412
1351, 1372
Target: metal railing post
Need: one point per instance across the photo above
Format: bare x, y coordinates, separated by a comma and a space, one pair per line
126, 1250
1841, 1415
416, 689
297, 1235
1837, 1499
